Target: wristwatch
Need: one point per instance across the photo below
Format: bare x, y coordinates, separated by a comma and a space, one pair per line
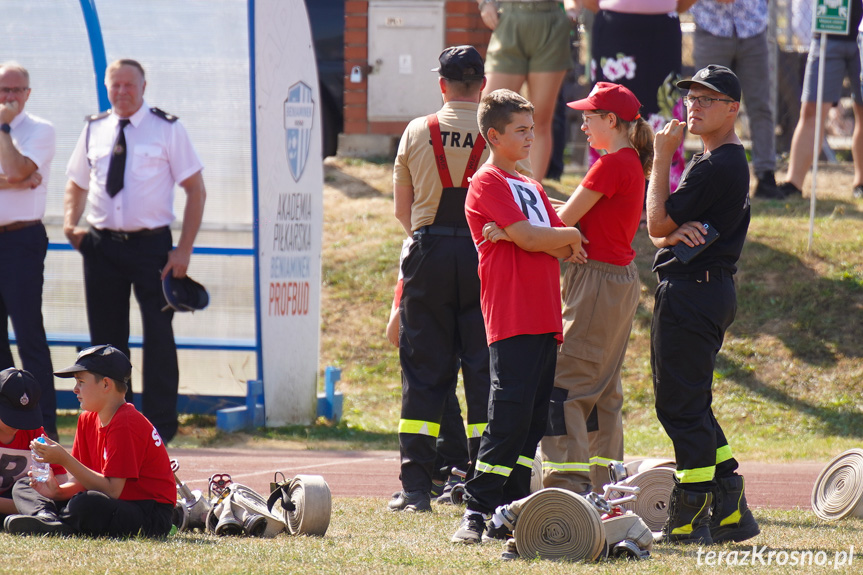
5, 128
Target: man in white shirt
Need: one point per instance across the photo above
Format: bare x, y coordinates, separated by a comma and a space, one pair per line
26, 150
126, 163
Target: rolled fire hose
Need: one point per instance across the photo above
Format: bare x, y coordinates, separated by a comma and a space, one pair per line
838, 491
652, 504
314, 504
557, 524
641, 465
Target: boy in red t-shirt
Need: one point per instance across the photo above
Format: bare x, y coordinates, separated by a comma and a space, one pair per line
122, 480
20, 423
519, 238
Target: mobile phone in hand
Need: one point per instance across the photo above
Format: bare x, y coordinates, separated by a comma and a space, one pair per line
686, 254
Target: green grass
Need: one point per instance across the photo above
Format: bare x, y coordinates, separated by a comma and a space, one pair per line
787, 387
787, 381
364, 539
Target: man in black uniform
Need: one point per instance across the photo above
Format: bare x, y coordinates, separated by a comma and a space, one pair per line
126, 165
694, 305
440, 315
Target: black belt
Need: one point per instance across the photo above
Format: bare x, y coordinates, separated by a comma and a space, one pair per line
19, 226
443, 231
121, 236
699, 276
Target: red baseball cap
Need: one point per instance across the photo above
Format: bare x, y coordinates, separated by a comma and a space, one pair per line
611, 97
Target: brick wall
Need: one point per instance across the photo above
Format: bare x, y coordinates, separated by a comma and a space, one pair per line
463, 26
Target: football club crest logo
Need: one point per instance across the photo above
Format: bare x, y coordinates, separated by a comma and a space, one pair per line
299, 116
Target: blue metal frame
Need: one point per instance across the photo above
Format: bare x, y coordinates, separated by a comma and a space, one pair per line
201, 250
255, 207
97, 49
196, 403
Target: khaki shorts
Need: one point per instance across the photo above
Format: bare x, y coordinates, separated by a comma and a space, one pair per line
530, 37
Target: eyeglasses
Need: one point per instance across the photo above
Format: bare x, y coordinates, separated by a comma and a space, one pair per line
586, 117
15, 91
703, 101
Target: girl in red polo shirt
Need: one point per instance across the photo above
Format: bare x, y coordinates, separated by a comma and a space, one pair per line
600, 295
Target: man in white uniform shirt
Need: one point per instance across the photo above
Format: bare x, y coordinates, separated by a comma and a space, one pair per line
126, 163
26, 150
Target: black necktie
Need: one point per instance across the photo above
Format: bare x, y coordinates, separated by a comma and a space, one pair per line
117, 166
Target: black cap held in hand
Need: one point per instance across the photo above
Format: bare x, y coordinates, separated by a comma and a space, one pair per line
184, 294
461, 63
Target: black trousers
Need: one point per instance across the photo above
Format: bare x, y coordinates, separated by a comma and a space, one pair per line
522, 377
690, 318
22, 265
94, 513
451, 444
113, 268
441, 328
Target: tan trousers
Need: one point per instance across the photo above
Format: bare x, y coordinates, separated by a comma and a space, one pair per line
585, 428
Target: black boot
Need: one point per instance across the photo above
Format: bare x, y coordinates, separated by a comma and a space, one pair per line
415, 501
767, 188
731, 519
688, 517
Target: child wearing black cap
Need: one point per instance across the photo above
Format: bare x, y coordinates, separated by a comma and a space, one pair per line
20, 423
122, 480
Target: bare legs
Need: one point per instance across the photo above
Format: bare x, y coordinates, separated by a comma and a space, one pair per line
802, 143
542, 88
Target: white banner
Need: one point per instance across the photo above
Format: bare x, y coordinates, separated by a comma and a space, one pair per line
289, 173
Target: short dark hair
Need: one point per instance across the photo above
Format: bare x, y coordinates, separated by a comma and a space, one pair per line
463, 88
118, 385
126, 62
496, 110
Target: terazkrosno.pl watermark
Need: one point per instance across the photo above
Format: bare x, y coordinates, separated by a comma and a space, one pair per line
781, 557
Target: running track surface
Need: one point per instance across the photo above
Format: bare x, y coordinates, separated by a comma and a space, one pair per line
375, 473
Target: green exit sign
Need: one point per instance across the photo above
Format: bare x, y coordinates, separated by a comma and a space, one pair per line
831, 16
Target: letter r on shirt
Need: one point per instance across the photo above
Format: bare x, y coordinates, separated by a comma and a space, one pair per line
527, 198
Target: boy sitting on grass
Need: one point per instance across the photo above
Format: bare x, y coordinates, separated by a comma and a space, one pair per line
20, 423
520, 297
122, 480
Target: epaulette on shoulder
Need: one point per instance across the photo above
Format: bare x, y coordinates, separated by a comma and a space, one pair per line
164, 115
94, 117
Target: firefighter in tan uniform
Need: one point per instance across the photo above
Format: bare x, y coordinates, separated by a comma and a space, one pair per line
441, 321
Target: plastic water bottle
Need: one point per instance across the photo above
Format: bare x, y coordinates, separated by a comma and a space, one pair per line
41, 471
